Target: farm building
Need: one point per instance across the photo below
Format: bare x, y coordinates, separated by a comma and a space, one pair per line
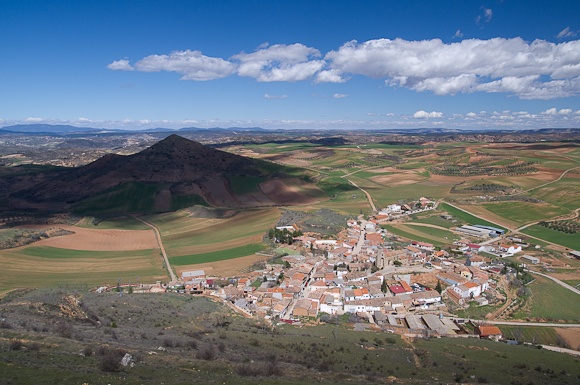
575, 254
192, 275
531, 259
490, 228
488, 331
474, 231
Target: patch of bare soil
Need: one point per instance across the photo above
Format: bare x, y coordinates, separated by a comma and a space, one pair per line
163, 200
218, 193
571, 336
400, 179
255, 200
102, 240
228, 268
285, 195
285, 159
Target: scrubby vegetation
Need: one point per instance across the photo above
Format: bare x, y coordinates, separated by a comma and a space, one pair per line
568, 227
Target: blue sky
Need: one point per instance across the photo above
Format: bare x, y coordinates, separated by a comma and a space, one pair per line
291, 64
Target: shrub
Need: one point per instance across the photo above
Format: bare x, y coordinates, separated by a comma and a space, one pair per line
34, 347
88, 351
64, 329
5, 325
111, 360
206, 353
15, 344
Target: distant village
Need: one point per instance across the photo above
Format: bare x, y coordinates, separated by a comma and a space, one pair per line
372, 276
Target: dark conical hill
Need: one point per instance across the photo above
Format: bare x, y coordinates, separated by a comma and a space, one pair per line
174, 160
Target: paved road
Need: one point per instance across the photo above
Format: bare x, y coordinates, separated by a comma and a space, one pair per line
514, 323
158, 236
563, 284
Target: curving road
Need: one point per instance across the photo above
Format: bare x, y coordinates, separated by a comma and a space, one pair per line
563, 284
368, 195
158, 236
545, 184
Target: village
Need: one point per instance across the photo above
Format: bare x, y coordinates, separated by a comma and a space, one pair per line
373, 278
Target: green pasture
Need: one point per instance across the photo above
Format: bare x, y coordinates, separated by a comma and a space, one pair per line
422, 236
132, 197
215, 256
524, 212
335, 185
438, 233
241, 185
180, 230
48, 266
567, 240
565, 193
531, 334
550, 301
436, 220
466, 217
122, 223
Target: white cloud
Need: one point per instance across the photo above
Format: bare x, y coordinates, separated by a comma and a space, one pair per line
494, 65
339, 96
566, 33
120, 65
471, 114
425, 115
268, 96
329, 76
554, 111
458, 34
487, 14
33, 120
280, 63
191, 64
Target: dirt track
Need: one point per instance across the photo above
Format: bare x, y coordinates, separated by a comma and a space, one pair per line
101, 240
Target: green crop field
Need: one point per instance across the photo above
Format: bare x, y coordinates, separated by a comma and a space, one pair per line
122, 223
550, 301
39, 266
436, 220
531, 334
524, 212
417, 233
562, 193
466, 217
190, 240
567, 240
215, 256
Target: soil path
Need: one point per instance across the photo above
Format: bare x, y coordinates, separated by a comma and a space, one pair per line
367, 194
158, 236
508, 301
545, 184
563, 284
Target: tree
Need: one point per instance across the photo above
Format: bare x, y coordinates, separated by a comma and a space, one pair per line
438, 288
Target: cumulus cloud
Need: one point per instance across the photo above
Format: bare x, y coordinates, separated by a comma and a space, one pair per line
554, 111
425, 115
268, 96
280, 63
529, 70
339, 96
121, 65
193, 65
566, 33
473, 65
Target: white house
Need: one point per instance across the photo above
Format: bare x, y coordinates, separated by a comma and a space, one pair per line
511, 249
469, 289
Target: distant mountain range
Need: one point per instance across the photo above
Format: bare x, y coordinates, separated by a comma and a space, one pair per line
66, 129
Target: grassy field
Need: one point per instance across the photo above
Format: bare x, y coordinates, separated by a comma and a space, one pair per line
562, 193
567, 240
423, 234
39, 266
132, 197
217, 255
245, 184
435, 220
550, 301
123, 223
532, 334
524, 212
466, 217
